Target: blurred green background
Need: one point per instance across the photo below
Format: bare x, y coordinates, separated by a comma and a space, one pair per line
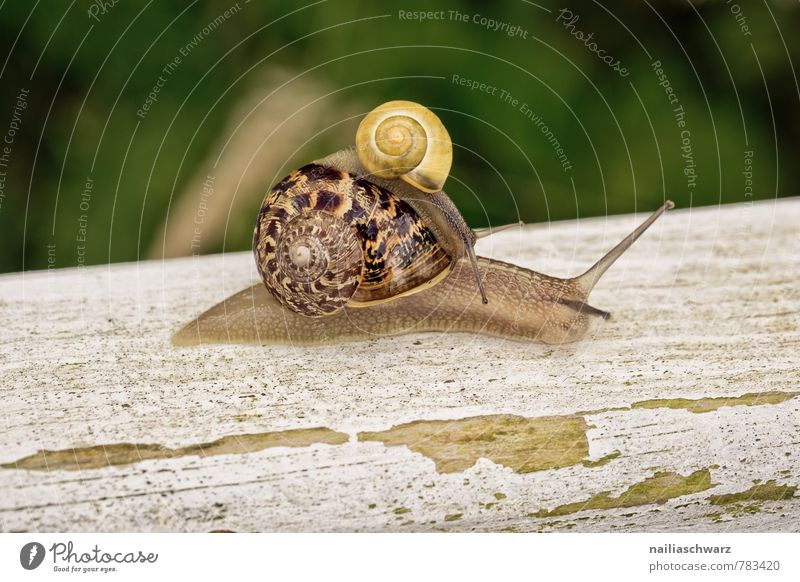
95, 173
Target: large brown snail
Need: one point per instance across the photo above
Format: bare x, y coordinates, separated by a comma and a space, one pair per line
365, 243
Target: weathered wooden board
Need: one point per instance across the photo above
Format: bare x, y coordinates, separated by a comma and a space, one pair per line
586, 437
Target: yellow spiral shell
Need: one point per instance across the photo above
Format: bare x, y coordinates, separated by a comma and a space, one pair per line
403, 139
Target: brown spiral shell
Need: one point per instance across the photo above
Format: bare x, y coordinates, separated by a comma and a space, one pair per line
325, 239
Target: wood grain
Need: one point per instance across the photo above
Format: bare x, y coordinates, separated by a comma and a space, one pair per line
705, 307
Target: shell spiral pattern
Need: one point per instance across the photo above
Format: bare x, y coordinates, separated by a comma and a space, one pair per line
325, 239
403, 139
318, 263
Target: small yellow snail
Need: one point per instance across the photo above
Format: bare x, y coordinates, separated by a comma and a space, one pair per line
365, 243
402, 139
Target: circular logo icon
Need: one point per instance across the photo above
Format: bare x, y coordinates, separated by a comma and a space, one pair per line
31, 555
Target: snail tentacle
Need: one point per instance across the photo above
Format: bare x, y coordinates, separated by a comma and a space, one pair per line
589, 279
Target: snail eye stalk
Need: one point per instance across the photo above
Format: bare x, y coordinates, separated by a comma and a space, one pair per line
474, 261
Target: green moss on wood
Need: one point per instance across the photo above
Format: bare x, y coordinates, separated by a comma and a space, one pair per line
96, 457
769, 491
656, 489
520, 443
701, 405
602, 460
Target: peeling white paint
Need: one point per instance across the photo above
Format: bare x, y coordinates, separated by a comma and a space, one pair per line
704, 305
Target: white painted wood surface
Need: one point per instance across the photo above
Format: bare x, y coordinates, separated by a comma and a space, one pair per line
705, 305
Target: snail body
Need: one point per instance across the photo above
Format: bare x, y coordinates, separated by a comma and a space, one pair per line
525, 306
350, 252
